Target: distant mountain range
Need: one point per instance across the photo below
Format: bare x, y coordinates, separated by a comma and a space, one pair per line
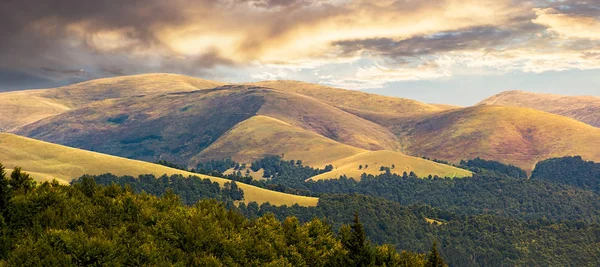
187, 120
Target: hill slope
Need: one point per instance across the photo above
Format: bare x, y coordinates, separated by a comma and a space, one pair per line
513, 135
46, 161
352, 99
258, 136
24, 107
126, 86
178, 126
581, 108
351, 166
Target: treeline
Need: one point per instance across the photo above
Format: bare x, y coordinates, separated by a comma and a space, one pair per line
504, 196
90, 224
474, 240
569, 170
190, 189
470, 236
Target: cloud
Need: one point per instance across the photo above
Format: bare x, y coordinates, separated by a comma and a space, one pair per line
568, 26
393, 39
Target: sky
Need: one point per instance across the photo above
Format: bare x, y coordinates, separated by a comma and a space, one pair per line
437, 51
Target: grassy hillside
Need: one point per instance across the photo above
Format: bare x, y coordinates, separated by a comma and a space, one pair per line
352, 99
261, 135
178, 126
402, 163
582, 108
513, 135
24, 107
46, 161
329, 121
125, 86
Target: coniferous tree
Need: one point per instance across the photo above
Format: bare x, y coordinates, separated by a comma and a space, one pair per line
4, 189
21, 180
359, 249
435, 259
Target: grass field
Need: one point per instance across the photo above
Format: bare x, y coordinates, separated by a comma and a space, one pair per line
259, 136
24, 107
45, 161
583, 108
352, 99
513, 135
402, 163
126, 86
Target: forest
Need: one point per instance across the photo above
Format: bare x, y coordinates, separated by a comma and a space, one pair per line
497, 218
90, 224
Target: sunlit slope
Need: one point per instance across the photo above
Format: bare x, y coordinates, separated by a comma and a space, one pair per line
23, 107
327, 120
582, 108
352, 99
46, 161
126, 86
178, 126
372, 162
260, 136
513, 135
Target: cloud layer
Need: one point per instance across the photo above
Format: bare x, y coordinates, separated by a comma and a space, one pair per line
350, 43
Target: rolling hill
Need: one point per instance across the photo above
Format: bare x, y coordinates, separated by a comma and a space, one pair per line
186, 120
191, 121
581, 108
45, 161
23, 107
518, 136
370, 162
260, 135
353, 100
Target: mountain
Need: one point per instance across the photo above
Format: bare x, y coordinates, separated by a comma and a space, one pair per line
371, 162
581, 108
45, 161
24, 107
187, 120
261, 135
352, 100
178, 126
513, 135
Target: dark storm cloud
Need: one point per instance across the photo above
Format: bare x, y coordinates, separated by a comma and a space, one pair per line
467, 39
35, 35
66, 40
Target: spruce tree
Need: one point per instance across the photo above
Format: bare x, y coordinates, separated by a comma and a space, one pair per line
357, 245
4, 189
435, 259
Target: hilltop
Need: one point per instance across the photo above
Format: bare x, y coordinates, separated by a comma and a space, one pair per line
582, 108
187, 120
513, 135
255, 137
45, 161
24, 107
352, 100
192, 121
372, 162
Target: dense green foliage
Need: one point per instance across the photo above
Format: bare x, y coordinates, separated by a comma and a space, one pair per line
492, 219
477, 240
569, 170
489, 167
89, 224
190, 189
511, 197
